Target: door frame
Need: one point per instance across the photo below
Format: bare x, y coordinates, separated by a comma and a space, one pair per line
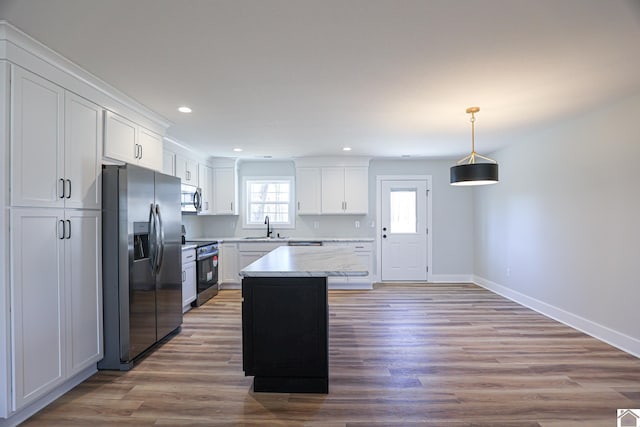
379, 179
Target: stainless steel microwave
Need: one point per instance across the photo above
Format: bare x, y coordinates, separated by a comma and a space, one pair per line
190, 199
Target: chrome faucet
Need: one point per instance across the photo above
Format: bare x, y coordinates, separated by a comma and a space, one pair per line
266, 221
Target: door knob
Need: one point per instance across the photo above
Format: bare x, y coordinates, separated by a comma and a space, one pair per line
384, 236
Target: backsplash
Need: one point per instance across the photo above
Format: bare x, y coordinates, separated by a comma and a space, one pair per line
306, 226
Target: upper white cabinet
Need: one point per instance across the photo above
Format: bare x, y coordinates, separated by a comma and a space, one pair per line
37, 141
308, 191
55, 145
187, 170
150, 144
120, 138
345, 190
333, 186
124, 140
169, 162
83, 152
205, 179
356, 190
225, 190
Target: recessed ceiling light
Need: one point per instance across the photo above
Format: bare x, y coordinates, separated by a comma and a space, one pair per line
237, 150
184, 109
346, 148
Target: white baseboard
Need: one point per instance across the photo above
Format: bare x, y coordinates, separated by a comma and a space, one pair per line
231, 285
617, 339
23, 414
451, 278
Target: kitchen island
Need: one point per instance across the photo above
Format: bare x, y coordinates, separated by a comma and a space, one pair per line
285, 316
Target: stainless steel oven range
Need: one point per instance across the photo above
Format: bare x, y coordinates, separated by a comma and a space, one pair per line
206, 271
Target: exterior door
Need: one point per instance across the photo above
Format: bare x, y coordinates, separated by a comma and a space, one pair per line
404, 230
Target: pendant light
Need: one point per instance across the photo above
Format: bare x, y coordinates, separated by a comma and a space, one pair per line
467, 171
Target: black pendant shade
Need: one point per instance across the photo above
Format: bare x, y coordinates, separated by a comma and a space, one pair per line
474, 174
467, 171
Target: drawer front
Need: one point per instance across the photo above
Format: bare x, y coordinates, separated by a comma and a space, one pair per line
258, 246
188, 255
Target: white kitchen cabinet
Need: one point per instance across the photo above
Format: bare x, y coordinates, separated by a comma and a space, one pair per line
83, 289
82, 153
38, 303
169, 162
187, 170
229, 270
345, 190
189, 279
128, 142
308, 191
120, 138
37, 141
249, 252
56, 298
205, 179
225, 191
364, 252
151, 153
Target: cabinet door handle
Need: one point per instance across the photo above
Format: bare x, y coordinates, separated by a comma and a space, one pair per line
140, 145
69, 187
135, 151
61, 188
231, 206
298, 205
184, 276
69, 229
61, 229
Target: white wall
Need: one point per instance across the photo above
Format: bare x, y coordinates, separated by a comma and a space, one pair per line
561, 231
452, 216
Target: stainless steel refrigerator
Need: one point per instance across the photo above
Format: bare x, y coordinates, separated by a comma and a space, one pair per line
141, 262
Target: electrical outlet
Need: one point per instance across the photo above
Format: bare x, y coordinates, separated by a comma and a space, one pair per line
357, 224
372, 224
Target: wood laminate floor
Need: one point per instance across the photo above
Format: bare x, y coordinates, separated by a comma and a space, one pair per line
430, 355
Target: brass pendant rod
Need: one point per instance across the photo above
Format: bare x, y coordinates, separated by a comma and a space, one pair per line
471, 158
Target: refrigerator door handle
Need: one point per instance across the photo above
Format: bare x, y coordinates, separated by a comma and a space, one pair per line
153, 241
160, 240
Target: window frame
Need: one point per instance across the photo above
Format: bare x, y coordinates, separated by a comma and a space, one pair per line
246, 203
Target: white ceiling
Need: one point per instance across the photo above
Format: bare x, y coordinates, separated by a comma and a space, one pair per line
387, 78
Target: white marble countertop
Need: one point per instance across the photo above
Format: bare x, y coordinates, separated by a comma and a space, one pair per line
188, 246
306, 261
282, 239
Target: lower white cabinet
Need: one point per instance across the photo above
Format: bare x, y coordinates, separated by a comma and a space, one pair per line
364, 252
189, 280
56, 298
229, 270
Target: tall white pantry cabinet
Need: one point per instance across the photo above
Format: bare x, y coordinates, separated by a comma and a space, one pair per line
55, 145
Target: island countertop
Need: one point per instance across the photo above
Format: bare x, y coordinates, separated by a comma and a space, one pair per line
306, 261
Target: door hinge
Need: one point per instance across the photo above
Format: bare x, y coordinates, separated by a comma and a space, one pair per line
427, 268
